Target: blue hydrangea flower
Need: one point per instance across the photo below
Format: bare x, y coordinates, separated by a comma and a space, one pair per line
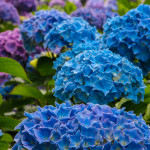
99, 77
82, 127
128, 36
34, 29
78, 48
9, 13
95, 17
69, 32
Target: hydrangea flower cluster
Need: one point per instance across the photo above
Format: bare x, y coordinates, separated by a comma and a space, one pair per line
78, 48
95, 17
92, 127
99, 77
69, 32
98, 4
9, 13
34, 29
24, 5
11, 46
128, 36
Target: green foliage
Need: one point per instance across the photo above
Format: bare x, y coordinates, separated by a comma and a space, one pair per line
45, 66
4, 26
147, 113
70, 7
4, 141
27, 91
8, 123
12, 67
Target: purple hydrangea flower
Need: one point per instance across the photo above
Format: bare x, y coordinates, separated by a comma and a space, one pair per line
95, 17
98, 4
34, 29
128, 36
82, 127
57, 2
9, 13
24, 5
99, 77
11, 46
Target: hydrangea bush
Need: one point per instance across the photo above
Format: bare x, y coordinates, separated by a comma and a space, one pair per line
70, 32
9, 13
34, 29
99, 77
11, 46
95, 17
128, 36
93, 127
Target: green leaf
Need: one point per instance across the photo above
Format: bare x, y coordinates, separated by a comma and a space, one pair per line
4, 141
147, 92
121, 102
70, 7
147, 113
137, 108
6, 138
1, 99
12, 67
45, 66
8, 105
4, 146
8, 123
27, 91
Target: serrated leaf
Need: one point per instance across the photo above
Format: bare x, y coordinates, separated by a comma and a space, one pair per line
27, 91
8, 123
147, 113
10, 66
45, 66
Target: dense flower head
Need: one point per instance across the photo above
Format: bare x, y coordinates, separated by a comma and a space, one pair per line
99, 77
95, 17
24, 5
78, 48
128, 36
34, 29
69, 32
98, 4
9, 13
11, 46
82, 127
